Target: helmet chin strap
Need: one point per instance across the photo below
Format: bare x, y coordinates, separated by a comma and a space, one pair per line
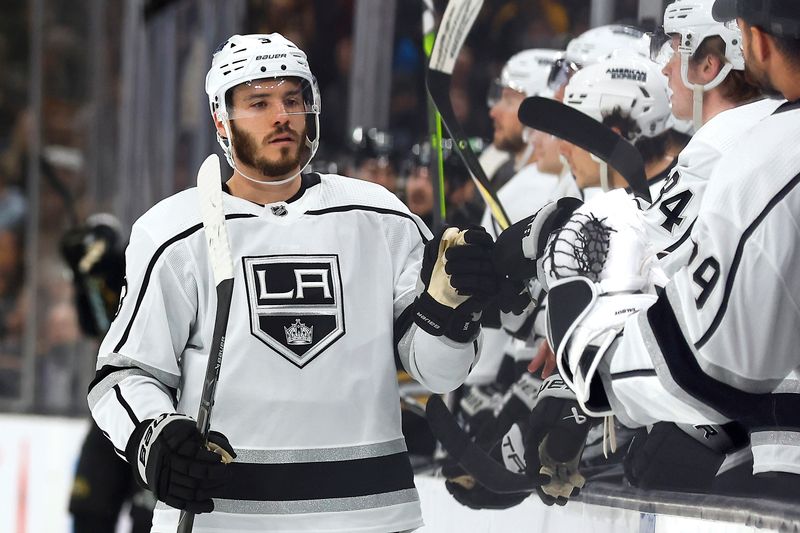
698, 90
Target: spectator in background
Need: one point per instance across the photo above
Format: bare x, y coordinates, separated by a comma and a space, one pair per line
334, 98
419, 193
373, 154
13, 204
11, 312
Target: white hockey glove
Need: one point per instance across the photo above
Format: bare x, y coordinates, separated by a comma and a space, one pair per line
599, 270
169, 458
458, 280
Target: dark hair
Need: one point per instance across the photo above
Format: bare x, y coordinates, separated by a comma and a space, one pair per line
735, 87
651, 148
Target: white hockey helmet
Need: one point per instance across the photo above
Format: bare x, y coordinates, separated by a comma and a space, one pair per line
251, 58
692, 22
627, 81
526, 72
593, 46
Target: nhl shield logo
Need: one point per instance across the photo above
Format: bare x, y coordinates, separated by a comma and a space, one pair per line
296, 305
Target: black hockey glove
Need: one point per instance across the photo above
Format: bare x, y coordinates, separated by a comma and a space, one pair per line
512, 295
468, 492
680, 458
169, 457
502, 436
459, 279
520, 246
554, 442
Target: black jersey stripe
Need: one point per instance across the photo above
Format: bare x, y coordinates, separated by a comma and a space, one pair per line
674, 246
126, 405
106, 371
355, 207
116, 450
149, 271
646, 373
753, 410
318, 480
737, 258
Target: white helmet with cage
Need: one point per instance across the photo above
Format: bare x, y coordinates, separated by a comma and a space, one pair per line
692, 22
262, 60
595, 45
526, 72
627, 81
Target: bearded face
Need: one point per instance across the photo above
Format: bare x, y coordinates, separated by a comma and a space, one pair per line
754, 71
273, 155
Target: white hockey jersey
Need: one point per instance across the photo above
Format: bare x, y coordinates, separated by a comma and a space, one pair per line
522, 196
721, 342
669, 220
307, 394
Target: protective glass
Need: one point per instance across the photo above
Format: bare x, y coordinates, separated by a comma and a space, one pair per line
560, 73
260, 105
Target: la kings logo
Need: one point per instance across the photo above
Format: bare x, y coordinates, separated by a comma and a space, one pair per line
296, 305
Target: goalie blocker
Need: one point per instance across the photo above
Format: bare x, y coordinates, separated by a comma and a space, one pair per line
599, 270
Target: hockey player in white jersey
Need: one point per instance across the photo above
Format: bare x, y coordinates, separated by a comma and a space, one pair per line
525, 74
628, 93
332, 279
718, 343
703, 61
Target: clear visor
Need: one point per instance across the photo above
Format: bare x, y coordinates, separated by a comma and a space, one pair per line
495, 93
262, 105
661, 50
560, 73
503, 95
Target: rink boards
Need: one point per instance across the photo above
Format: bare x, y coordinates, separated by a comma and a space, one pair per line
38, 457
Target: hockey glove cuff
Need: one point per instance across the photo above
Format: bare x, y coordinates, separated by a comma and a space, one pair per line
170, 459
554, 442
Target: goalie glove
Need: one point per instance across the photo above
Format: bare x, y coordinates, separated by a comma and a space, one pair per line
557, 430
599, 269
169, 458
458, 280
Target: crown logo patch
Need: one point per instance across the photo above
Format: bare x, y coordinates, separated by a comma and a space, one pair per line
298, 334
296, 304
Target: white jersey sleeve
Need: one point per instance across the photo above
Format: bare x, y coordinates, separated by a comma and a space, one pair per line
438, 364
139, 367
671, 217
721, 341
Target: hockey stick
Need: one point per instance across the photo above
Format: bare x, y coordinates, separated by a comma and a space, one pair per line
458, 18
209, 190
434, 121
475, 461
585, 132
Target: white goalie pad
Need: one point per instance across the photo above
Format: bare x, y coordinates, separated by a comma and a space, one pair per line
582, 323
